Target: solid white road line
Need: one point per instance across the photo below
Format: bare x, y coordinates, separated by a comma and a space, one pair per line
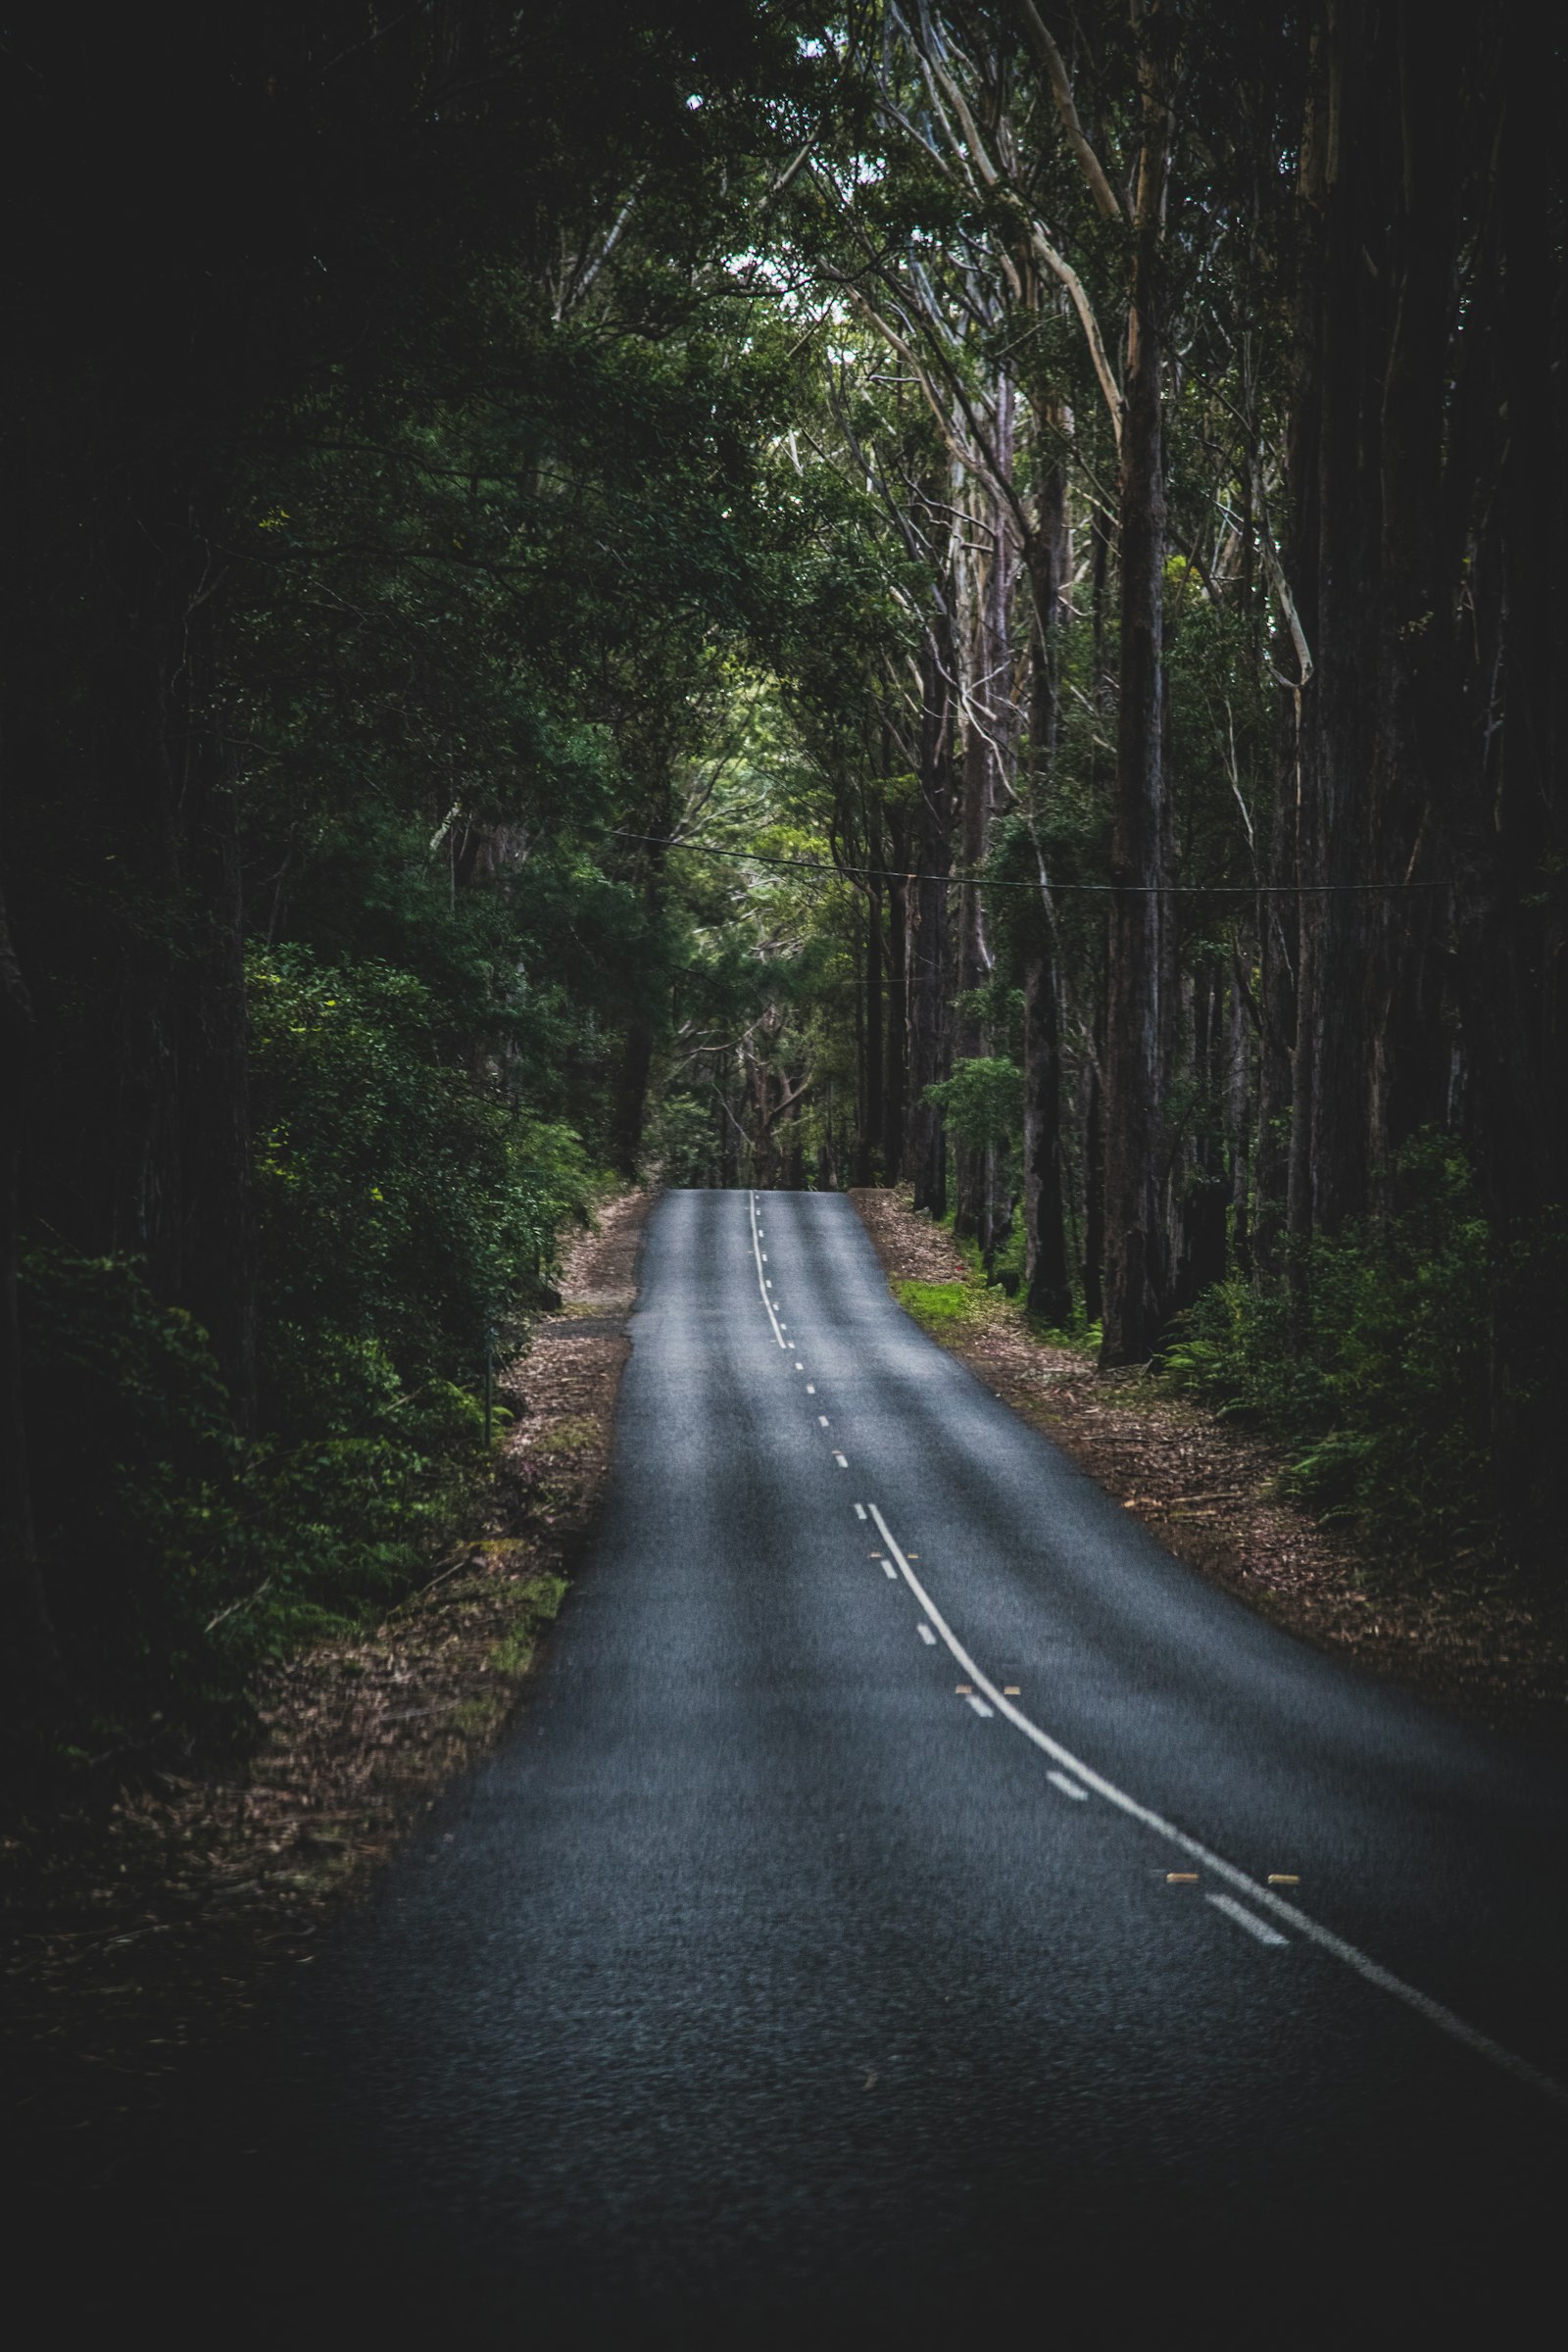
1324, 1938
1245, 1919
1068, 1787
761, 1285
926, 1635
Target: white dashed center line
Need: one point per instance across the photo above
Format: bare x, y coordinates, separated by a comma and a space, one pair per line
839, 1458
979, 1705
1067, 1788
926, 1635
1245, 1919
822, 1417
1309, 1929
859, 1510
761, 1279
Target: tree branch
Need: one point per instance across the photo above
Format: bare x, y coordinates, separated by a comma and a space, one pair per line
1050, 58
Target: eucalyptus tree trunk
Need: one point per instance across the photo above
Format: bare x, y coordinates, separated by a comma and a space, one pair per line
1137, 1276
1420, 726
988, 733
1094, 1185
895, 1057
1049, 1288
927, 936
1238, 1121
1284, 1091
1329, 1140
1510, 906
869, 1150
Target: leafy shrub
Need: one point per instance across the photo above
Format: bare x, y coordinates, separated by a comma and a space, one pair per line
136, 1467
983, 1100
401, 1200
407, 1214
1371, 1367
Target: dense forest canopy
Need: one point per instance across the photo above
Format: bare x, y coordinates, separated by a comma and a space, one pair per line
960, 595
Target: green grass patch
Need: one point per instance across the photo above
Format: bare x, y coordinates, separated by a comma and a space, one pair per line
513, 1654
941, 1305
570, 1437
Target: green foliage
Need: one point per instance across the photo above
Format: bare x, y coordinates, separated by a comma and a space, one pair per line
401, 1202
407, 1215
1371, 1368
682, 1142
938, 1306
136, 1482
983, 1100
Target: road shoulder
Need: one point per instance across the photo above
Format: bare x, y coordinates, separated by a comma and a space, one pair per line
144, 1933
1207, 1490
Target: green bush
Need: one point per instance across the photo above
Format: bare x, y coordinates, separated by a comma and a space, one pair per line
136, 1467
1370, 1367
982, 1102
407, 1215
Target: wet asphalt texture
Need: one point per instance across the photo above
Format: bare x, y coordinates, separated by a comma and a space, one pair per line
758, 1990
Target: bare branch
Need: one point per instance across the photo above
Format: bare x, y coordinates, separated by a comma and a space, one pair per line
1060, 264
1276, 574
1050, 58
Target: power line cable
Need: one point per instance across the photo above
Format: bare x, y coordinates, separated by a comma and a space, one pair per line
1181, 890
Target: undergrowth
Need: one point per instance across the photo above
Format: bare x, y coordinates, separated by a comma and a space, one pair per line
408, 1222
1371, 1363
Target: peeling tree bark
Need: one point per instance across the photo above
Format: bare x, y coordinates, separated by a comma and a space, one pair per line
1137, 1277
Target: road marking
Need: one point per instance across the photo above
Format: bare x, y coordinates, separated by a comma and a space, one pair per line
822, 1417
1068, 1787
810, 1387
800, 1367
757, 1251
1324, 1938
888, 1569
926, 1635
978, 1704
765, 1253
839, 1458
859, 1510
1283, 1878
1245, 1919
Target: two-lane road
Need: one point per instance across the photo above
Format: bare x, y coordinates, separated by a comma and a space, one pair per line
910, 1902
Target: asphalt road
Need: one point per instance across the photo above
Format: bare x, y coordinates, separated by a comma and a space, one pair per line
808, 1965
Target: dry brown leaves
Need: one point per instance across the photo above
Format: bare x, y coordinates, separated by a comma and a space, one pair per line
1205, 1489
158, 1923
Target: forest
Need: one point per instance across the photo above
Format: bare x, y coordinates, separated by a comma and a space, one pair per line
964, 596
